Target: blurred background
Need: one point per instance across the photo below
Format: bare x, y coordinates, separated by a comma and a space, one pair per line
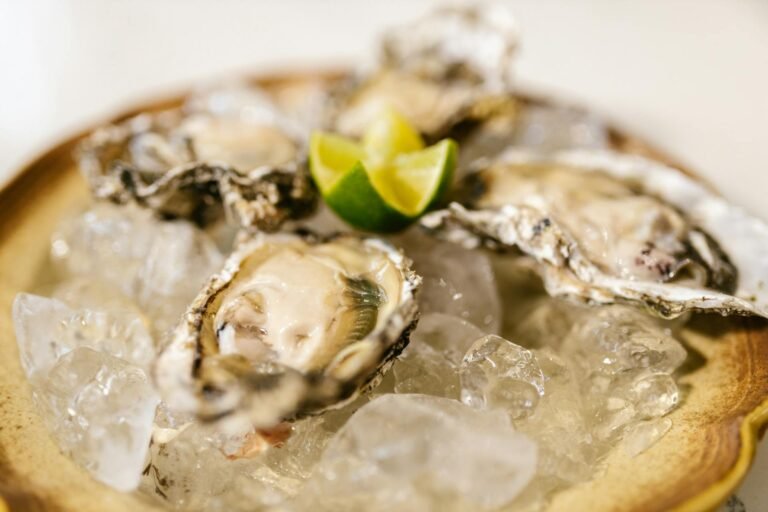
690, 76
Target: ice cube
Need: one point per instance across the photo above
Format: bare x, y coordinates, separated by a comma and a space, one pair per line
617, 339
195, 467
83, 293
624, 361
298, 455
547, 323
402, 449
422, 369
645, 434
430, 363
46, 329
457, 281
188, 470
654, 394
100, 410
161, 265
450, 335
209, 466
497, 373
176, 265
107, 243
560, 426
554, 128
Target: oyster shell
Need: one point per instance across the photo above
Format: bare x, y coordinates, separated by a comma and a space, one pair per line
447, 68
229, 148
292, 325
606, 227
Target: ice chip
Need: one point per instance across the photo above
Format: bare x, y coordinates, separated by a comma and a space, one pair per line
457, 281
188, 469
404, 448
555, 128
560, 426
176, 265
83, 293
450, 335
645, 434
655, 394
207, 467
497, 373
431, 361
100, 410
538, 129
616, 339
422, 369
547, 323
160, 265
47, 329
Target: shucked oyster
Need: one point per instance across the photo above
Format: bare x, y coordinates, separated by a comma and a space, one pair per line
189, 162
451, 66
289, 327
606, 227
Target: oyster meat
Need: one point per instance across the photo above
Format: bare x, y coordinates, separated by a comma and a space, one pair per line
606, 227
292, 325
229, 147
450, 67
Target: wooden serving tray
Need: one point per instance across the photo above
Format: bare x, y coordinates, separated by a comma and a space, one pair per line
694, 467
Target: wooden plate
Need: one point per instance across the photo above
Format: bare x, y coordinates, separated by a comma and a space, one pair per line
693, 468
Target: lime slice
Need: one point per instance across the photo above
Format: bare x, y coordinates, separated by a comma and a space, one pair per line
355, 200
331, 156
390, 135
388, 181
414, 182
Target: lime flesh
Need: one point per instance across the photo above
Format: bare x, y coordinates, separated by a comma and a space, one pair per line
388, 181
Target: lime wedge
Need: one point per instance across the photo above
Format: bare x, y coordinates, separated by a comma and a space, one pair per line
355, 200
414, 182
391, 134
331, 156
388, 181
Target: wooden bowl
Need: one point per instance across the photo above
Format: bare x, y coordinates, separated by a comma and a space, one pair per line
694, 467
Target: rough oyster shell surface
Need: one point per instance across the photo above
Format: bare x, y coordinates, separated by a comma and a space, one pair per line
292, 325
606, 227
451, 67
469, 43
189, 162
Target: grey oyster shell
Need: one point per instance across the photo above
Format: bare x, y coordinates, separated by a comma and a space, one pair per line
605, 227
472, 44
448, 68
204, 160
291, 326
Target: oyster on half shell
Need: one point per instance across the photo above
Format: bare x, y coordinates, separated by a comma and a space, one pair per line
291, 326
606, 227
241, 157
447, 68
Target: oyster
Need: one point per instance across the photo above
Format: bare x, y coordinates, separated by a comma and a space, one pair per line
292, 325
229, 148
606, 227
447, 68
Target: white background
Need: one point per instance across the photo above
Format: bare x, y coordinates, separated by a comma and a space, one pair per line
689, 75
